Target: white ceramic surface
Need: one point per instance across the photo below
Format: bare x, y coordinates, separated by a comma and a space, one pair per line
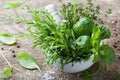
77, 67
53, 11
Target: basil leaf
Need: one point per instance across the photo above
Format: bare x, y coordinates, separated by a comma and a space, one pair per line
105, 33
96, 56
83, 27
27, 61
95, 39
107, 54
7, 38
11, 5
83, 42
7, 72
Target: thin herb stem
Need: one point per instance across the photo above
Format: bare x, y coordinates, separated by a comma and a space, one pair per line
9, 64
19, 5
5, 59
16, 13
15, 68
39, 69
24, 2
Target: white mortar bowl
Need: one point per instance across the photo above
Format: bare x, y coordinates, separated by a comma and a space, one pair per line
75, 67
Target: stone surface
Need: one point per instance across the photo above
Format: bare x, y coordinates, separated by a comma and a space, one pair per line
7, 24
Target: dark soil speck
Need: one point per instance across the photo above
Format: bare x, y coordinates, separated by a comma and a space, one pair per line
18, 46
13, 51
14, 56
115, 46
2, 48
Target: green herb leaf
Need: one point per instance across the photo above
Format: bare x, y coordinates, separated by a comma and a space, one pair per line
96, 56
107, 54
7, 38
105, 33
109, 11
89, 1
83, 27
27, 61
7, 72
83, 41
95, 39
86, 75
12, 5
117, 77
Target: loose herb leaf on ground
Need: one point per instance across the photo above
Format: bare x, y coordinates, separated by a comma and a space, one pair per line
7, 72
7, 38
12, 5
27, 61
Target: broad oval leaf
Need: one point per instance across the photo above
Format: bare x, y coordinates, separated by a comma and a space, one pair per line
7, 38
83, 27
107, 54
7, 72
11, 5
27, 61
83, 42
105, 33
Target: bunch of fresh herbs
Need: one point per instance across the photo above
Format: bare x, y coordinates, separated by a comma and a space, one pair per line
75, 40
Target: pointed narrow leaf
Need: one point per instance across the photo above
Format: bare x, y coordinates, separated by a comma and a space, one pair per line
96, 34
7, 38
27, 61
11, 5
96, 55
7, 72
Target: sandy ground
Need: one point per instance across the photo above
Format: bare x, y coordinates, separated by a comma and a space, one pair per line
7, 24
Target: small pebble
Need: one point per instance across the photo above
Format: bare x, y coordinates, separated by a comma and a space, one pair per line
112, 22
33, 71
